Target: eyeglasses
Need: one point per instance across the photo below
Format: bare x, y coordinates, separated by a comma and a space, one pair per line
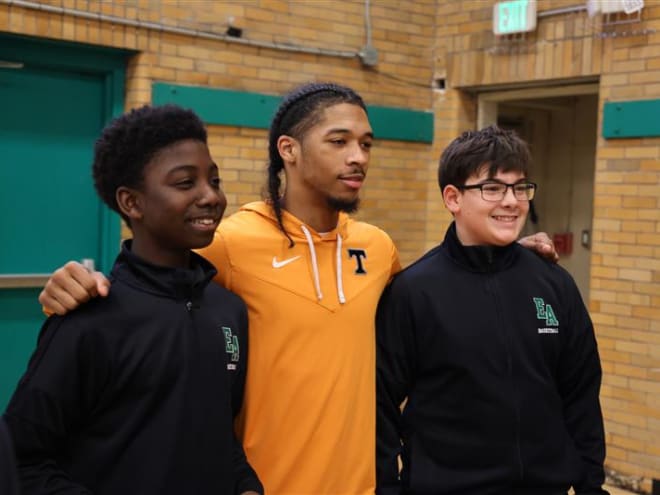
495, 191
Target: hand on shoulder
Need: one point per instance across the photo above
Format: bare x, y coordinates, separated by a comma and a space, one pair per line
70, 286
541, 244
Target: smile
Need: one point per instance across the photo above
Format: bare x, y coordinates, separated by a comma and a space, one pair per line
205, 223
505, 218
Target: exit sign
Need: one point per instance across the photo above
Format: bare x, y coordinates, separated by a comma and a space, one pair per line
515, 16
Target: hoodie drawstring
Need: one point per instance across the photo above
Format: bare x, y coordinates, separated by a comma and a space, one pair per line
340, 285
315, 267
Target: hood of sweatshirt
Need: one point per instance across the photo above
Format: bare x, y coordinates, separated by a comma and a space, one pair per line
303, 233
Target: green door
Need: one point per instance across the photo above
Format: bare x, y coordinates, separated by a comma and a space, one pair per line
50, 116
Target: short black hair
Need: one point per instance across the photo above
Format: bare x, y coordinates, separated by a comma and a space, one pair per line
130, 141
491, 147
300, 110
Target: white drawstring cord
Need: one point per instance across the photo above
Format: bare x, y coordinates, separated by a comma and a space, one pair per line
315, 267
340, 285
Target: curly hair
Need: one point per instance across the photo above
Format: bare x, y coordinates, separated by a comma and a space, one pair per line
491, 147
130, 141
299, 111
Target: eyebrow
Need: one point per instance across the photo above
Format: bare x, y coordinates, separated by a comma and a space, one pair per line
341, 130
189, 166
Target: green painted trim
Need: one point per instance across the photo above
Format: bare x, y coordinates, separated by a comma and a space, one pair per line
631, 119
219, 106
255, 110
108, 62
400, 124
62, 54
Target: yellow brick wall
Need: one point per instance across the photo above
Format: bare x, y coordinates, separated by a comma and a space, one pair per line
395, 194
625, 266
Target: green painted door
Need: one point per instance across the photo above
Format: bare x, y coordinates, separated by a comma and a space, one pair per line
49, 119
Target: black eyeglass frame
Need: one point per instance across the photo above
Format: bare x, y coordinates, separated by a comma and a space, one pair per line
529, 186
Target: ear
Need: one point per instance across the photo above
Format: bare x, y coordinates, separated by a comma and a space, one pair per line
452, 197
129, 202
288, 148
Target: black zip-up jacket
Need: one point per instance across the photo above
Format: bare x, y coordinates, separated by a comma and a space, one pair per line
8, 475
130, 394
496, 354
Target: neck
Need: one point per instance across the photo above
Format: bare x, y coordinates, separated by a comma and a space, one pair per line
157, 255
320, 217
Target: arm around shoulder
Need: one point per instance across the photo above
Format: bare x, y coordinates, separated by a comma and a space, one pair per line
70, 286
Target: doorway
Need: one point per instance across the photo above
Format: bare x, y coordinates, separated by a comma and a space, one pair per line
560, 125
55, 98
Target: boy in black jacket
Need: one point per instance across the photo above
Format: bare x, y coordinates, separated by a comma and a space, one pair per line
492, 347
131, 393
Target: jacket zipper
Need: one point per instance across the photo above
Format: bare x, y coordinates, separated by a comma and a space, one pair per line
509, 366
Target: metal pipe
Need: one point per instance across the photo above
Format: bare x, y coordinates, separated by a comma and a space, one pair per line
195, 33
563, 10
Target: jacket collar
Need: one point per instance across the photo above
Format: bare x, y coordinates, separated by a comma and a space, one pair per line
175, 283
479, 258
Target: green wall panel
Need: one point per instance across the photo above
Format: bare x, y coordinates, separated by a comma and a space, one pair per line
244, 109
631, 119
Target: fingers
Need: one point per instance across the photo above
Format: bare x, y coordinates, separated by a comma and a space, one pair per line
69, 287
545, 246
102, 284
542, 244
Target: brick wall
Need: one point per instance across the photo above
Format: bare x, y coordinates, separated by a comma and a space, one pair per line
395, 194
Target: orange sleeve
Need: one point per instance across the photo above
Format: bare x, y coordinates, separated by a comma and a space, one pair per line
217, 254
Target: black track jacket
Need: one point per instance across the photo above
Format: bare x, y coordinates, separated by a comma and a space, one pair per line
130, 394
496, 353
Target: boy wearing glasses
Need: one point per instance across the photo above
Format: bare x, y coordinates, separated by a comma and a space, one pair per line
491, 346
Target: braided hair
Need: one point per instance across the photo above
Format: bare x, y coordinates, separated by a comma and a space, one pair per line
299, 111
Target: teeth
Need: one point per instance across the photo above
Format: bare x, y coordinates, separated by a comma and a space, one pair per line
204, 221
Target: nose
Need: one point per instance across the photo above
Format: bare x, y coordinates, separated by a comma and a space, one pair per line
358, 154
209, 196
509, 196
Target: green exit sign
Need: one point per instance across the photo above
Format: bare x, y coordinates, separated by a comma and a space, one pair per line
515, 16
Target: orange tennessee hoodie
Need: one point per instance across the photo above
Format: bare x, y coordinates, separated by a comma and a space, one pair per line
308, 417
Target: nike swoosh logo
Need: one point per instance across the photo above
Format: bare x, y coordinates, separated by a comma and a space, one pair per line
280, 264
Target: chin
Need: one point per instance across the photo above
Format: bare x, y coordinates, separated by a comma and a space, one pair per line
345, 205
200, 243
504, 239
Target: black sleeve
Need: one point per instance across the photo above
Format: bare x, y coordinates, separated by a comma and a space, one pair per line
246, 478
579, 384
51, 399
395, 351
8, 474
